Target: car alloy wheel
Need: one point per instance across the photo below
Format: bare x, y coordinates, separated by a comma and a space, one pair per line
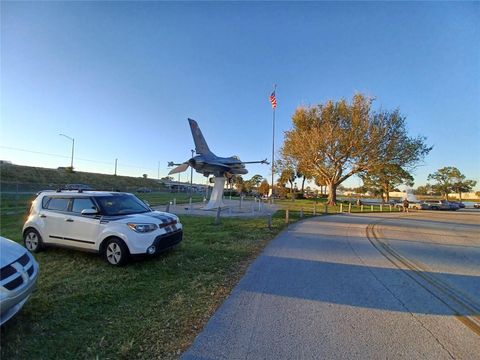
32, 240
116, 252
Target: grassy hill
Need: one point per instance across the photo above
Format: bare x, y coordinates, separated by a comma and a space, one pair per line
27, 178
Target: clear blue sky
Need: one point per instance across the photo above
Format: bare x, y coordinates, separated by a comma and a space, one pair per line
122, 77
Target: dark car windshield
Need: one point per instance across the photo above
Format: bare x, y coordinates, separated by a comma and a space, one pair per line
121, 204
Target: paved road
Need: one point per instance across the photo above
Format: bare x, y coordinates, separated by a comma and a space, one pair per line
393, 286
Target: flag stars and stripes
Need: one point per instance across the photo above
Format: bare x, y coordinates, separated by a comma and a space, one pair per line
273, 100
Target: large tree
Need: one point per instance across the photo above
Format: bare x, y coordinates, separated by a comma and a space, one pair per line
424, 190
264, 187
252, 183
335, 140
450, 179
386, 179
285, 167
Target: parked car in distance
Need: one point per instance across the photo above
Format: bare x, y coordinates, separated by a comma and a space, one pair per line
442, 205
419, 205
18, 277
460, 204
476, 205
114, 224
144, 190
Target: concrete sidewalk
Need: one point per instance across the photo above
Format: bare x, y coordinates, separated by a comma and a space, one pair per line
233, 208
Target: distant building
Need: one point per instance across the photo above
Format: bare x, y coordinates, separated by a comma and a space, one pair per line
465, 196
178, 186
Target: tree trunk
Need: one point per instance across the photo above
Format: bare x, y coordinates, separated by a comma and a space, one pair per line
387, 194
460, 196
303, 184
332, 194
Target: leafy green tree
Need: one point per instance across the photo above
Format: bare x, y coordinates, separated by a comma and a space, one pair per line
285, 167
336, 140
239, 183
252, 184
450, 179
264, 187
423, 190
321, 184
385, 179
463, 185
288, 175
255, 180
304, 176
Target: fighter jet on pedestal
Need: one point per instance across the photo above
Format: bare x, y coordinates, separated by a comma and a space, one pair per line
207, 163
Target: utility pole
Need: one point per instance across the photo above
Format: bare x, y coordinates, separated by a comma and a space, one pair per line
73, 148
116, 167
191, 180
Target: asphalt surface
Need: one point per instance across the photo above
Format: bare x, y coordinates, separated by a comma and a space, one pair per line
376, 286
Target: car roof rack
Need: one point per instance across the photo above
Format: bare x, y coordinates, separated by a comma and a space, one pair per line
63, 189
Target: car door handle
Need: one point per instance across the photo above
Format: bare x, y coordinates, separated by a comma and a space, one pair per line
69, 220
43, 216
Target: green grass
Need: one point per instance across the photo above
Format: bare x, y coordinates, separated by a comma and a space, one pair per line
150, 309
18, 178
153, 308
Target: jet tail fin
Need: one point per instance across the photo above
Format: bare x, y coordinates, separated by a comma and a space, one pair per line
201, 146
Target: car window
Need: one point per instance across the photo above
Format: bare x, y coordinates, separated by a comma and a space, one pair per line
121, 205
60, 204
80, 204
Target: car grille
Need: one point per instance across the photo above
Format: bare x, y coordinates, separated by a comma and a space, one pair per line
168, 240
8, 272
24, 259
12, 285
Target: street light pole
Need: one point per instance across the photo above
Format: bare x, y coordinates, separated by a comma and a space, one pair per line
73, 148
191, 180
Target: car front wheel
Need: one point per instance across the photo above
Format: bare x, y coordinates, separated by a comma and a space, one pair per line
32, 240
116, 252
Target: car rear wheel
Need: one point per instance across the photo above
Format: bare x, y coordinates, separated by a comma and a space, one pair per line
116, 252
32, 240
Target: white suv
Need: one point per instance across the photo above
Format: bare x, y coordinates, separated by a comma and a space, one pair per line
114, 224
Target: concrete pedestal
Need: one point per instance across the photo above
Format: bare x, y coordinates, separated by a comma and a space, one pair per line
216, 200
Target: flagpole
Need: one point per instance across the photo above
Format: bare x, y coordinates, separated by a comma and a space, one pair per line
273, 144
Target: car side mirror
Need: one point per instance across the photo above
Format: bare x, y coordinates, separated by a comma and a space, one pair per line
89, 212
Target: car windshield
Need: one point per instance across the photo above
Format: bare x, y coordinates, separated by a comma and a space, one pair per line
122, 204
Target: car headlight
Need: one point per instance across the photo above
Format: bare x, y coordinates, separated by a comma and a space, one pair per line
142, 228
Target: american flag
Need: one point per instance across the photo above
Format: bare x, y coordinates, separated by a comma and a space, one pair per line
273, 100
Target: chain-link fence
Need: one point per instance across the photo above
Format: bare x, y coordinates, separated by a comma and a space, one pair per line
16, 197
